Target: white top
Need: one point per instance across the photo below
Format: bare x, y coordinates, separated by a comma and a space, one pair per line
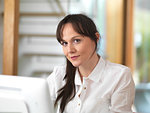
108, 89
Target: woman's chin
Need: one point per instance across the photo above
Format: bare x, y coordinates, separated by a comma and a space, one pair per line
75, 64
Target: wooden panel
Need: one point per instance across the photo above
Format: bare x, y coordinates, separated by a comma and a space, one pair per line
114, 30
129, 47
10, 41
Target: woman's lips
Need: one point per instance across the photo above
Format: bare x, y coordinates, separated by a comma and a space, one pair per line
74, 57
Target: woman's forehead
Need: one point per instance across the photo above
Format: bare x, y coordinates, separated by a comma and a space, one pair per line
68, 30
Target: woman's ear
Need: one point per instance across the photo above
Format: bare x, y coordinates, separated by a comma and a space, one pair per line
98, 36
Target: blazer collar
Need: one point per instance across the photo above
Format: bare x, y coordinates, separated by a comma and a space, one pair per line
95, 75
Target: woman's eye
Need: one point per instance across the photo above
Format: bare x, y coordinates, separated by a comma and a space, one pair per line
77, 40
64, 43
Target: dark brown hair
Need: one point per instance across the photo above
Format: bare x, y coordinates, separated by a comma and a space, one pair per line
86, 27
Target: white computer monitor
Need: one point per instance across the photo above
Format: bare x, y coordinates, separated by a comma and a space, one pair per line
24, 95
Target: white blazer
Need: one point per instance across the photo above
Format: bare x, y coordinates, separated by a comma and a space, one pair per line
108, 89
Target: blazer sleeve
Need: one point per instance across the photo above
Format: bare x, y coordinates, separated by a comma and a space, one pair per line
51, 85
55, 81
122, 98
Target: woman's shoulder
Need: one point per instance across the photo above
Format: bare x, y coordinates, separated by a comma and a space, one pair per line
58, 73
118, 71
118, 74
116, 67
60, 69
56, 80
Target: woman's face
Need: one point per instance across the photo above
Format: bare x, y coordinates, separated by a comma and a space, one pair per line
78, 49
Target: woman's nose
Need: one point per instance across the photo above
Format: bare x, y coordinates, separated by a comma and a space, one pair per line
71, 48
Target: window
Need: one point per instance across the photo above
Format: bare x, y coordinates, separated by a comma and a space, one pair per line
142, 40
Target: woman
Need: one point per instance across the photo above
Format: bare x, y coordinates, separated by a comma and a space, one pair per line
88, 83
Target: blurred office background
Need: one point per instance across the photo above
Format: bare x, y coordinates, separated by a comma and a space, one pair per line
38, 49
34, 51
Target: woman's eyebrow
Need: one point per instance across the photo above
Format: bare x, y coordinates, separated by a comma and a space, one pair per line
72, 37
76, 36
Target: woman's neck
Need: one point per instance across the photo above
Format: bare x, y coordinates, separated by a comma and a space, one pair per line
86, 69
